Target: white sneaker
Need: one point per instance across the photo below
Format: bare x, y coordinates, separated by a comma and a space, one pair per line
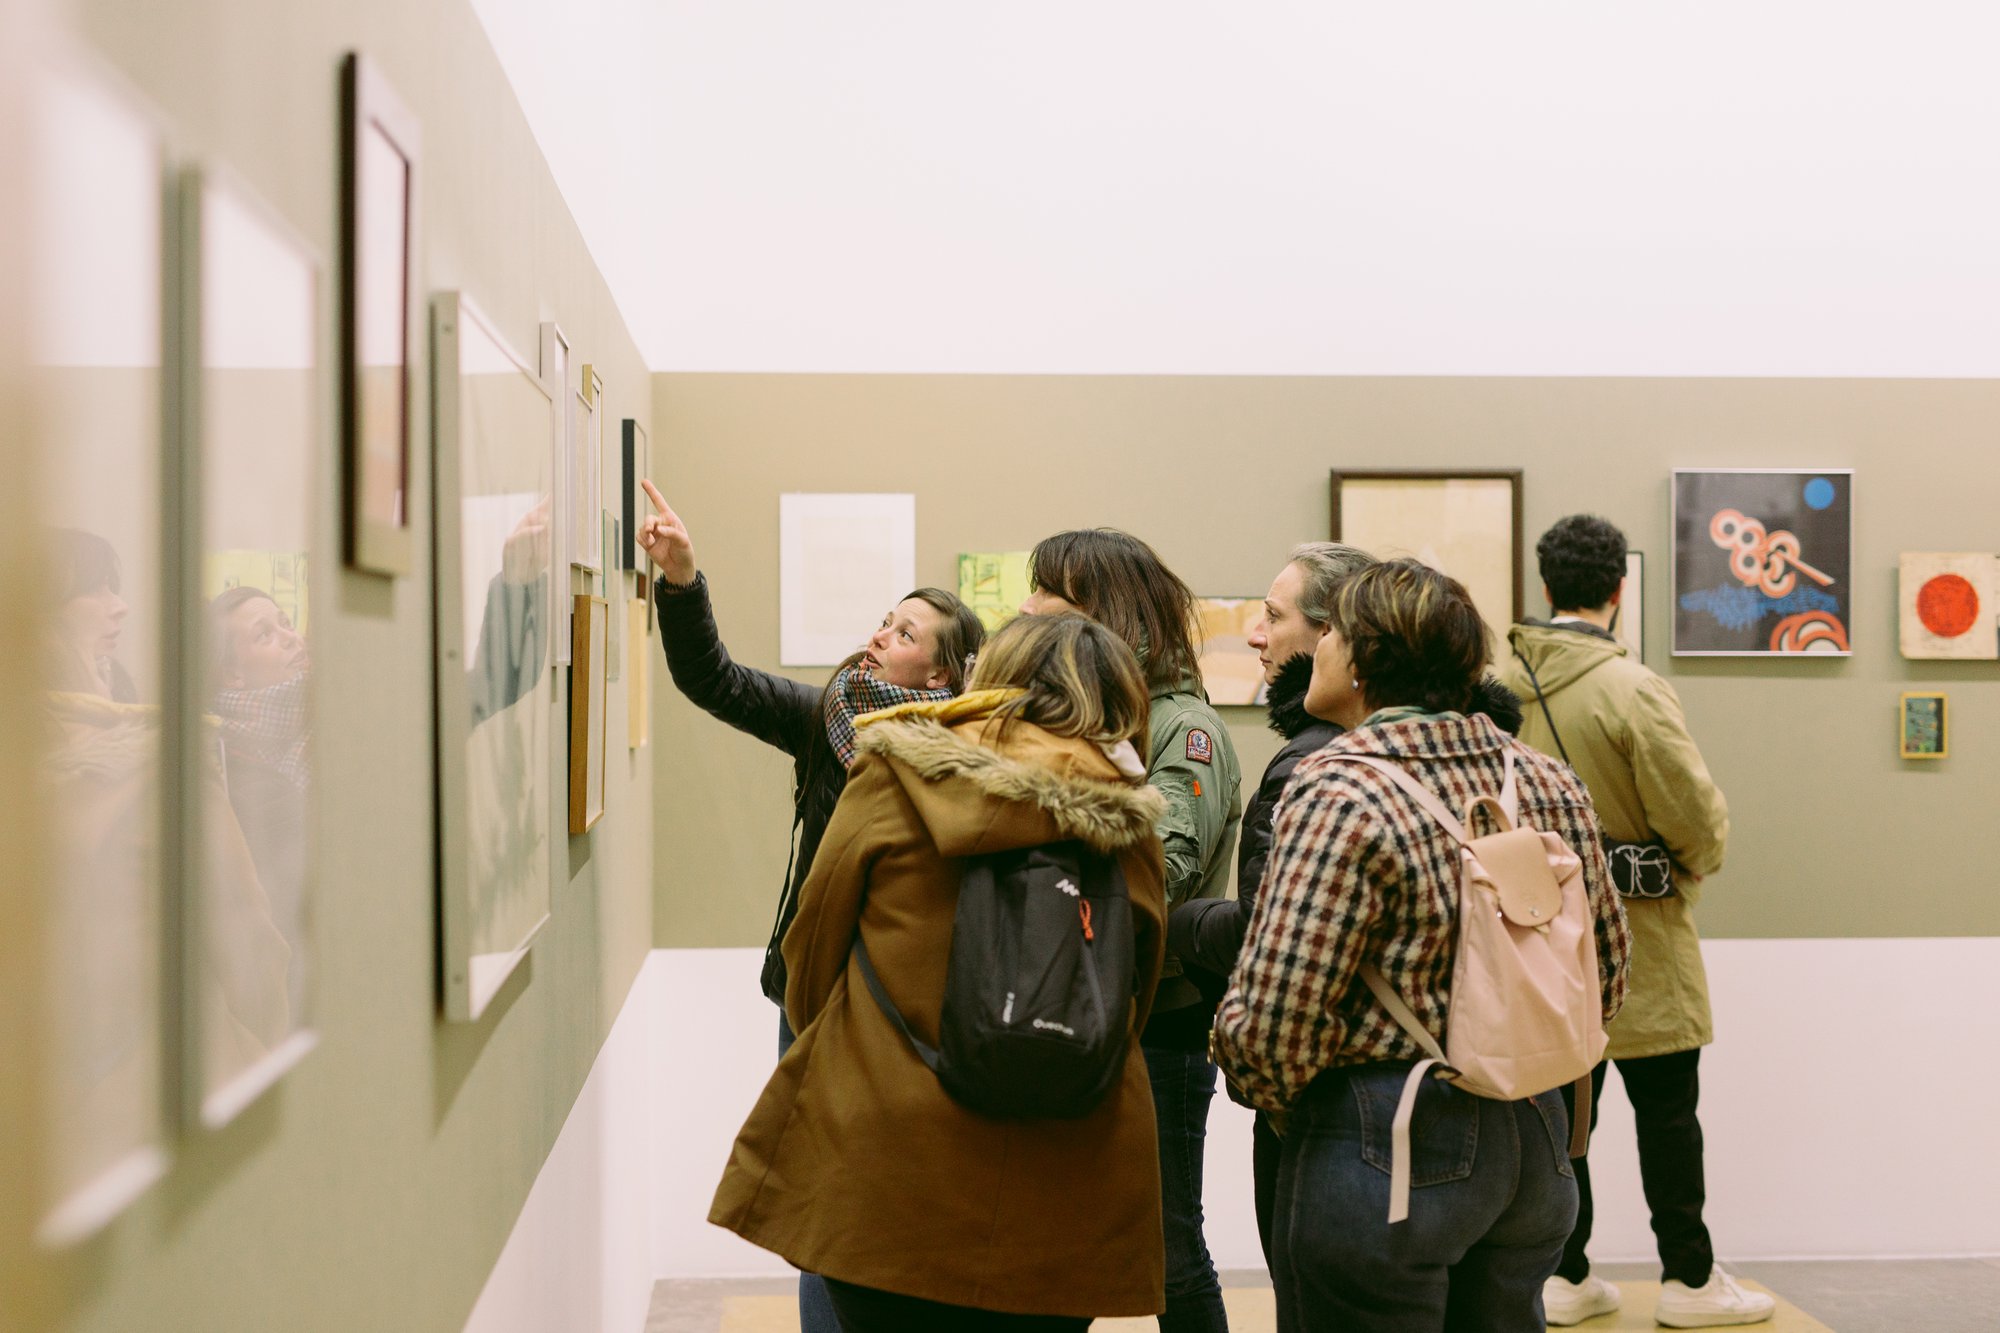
1717, 1302
1565, 1302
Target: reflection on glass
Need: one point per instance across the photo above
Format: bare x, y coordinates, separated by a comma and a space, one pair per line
382, 321
254, 971
505, 473
96, 193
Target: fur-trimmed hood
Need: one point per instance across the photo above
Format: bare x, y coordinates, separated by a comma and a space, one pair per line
977, 793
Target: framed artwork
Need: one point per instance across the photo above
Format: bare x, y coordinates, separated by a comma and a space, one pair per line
614, 656
379, 145
637, 455
587, 477
843, 559
555, 378
1926, 726
1465, 524
638, 709
105, 660
1946, 605
993, 584
1230, 671
1762, 563
496, 584
587, 699
1631, 628
249, 774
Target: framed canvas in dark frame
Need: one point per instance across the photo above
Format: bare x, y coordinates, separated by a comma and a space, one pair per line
379, 143
637, 455
1389, 534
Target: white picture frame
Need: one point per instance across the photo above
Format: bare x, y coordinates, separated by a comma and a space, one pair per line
554, 362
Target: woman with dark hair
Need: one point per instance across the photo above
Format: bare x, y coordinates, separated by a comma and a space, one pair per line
88, 615
1118, 581
856, 1162
921, 652
1362, 875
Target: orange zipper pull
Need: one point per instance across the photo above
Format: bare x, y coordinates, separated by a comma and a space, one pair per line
1083, 910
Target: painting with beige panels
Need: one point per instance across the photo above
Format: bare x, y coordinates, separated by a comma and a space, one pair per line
1230, 671
1465, 524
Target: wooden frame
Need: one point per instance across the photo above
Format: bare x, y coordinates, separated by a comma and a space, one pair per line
638, 662
555, 353
588, 707
587, 481
1907, 718
1388, 543
379, 143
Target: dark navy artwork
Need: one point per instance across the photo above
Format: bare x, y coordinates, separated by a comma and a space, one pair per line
1763, 562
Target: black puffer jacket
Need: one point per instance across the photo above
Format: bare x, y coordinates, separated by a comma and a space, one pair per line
776, 710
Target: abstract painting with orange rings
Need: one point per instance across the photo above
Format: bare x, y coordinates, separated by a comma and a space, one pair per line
1763, 562
1946, 605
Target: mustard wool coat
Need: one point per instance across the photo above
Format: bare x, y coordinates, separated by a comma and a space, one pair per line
856, 1163
1628, 740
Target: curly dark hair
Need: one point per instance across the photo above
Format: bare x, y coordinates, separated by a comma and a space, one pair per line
1583, 562
1414, 634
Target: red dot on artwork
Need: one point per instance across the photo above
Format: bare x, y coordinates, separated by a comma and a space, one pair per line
1948, 605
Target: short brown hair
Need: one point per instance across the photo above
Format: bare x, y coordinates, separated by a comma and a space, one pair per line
960, 633
1079, 679
1118, 581
1415, 636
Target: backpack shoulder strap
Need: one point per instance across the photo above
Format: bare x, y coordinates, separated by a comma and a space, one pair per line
1416, 791
927, 1054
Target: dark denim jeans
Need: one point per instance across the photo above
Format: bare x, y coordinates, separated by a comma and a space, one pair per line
1183, 1086
815, 1306
1491, 1201
866, 1310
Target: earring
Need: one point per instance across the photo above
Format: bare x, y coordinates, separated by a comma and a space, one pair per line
1357, 687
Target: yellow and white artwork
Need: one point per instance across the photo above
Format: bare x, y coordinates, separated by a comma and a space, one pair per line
1465, 526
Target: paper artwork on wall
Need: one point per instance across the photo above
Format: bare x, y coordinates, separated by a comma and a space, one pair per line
555, 382
588, 698
1631, 627
1762, 563
639, 696
587, 476
993, 584
1946, 605
614, 582
1230, 671
1925, 729
636, 465
1466, 524
844, 561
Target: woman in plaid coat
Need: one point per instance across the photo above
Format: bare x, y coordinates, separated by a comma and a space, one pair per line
1360, 874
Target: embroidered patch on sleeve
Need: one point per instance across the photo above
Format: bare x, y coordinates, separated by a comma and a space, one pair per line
1200, 748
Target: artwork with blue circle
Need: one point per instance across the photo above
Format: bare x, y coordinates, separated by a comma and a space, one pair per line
1763, 562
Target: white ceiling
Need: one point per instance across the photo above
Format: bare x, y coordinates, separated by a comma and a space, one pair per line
1752, 188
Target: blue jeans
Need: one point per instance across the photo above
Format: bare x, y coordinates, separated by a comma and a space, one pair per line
1183, 1086
1492, 1200
815, 1306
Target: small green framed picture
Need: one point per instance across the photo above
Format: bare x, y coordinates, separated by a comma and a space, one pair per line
1926, 727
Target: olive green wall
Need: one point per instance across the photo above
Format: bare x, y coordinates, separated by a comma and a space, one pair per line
1833, 834
375, 1186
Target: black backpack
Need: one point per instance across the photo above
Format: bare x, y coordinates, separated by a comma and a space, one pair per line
1038, 992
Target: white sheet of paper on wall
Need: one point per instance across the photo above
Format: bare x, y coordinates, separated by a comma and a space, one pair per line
843, 560
1947, 605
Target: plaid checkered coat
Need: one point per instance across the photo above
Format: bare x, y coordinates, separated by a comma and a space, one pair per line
1359, 873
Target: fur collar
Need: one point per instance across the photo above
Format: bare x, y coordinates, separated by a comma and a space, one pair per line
1287, 698
1107, 814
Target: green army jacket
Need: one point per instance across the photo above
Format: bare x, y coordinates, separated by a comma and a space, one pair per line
1192, 762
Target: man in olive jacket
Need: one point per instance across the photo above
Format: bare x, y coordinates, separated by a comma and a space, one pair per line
1620, 726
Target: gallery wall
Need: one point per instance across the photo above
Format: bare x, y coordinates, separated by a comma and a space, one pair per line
1833, 834
376, 1184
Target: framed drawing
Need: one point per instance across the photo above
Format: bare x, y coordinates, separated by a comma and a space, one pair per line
1761, 562
993, 584
555, 377
495, 589
248, 775
106, 655
1946, 605
1631, 627
1230, 671
587, 699
638, 704
614, 655
1466, 524
1926, 726
637, 455
378, 167
587, 477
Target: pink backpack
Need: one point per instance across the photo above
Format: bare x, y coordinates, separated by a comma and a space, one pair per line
1526, 1008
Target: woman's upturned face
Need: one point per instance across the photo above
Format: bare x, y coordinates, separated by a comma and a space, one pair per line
90, 621
1332, 697
264, 649
904, 650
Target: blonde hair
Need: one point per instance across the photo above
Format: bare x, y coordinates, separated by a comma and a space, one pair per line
1077, 678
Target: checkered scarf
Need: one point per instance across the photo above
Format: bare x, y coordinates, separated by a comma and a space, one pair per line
270, 724
855, 692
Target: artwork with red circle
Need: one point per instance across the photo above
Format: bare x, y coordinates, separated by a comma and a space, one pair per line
1948, 605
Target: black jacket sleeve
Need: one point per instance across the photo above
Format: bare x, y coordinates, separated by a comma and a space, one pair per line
775, 709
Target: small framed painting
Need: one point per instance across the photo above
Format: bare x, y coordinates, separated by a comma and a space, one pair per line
1230, 671
638, 708
1465, 524
587, 698
587, 479
555, 380
637, 456
1946, 605
1926, 726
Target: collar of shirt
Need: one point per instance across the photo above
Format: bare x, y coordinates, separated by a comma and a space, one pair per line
1403, 713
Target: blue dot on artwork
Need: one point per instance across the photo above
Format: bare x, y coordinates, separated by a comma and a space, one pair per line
1819, 493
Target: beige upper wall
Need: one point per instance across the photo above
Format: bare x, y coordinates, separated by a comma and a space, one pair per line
377, 1184
1833, 834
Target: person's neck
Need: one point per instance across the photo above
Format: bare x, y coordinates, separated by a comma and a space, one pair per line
1600, 617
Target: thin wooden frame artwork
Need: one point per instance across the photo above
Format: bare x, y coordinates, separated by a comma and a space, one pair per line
587, 478
495, 588
555, 380
588, 707
1762, 562
107, 654
1924, 725
639, 692
1946, 605
1466, 524
248, 775
379, 146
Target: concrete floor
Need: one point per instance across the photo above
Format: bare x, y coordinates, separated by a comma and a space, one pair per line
1846, 1296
